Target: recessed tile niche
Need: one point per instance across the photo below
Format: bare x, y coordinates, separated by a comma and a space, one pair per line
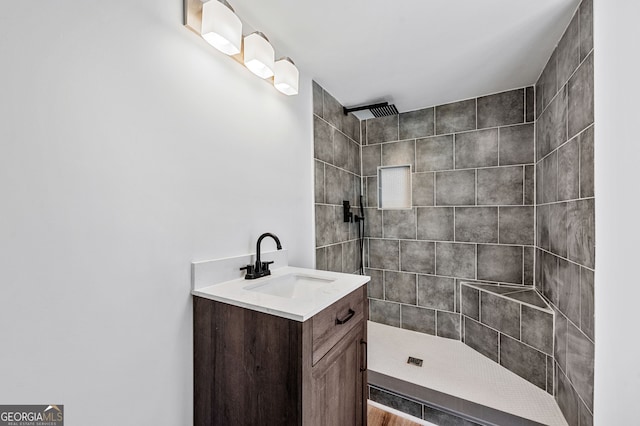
394, 188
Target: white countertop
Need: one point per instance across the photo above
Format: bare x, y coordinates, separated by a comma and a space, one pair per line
298, 309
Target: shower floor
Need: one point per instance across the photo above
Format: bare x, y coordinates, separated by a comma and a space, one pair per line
454, 369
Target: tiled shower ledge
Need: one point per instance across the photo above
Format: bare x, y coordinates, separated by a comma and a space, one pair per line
452, 368
520, 294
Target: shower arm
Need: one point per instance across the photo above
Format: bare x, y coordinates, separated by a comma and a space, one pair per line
361, 108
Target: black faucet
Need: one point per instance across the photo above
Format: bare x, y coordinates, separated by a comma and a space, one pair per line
260, 269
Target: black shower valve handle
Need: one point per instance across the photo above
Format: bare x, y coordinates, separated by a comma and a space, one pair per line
346, 212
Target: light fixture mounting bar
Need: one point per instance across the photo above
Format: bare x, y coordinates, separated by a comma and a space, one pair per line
193, 15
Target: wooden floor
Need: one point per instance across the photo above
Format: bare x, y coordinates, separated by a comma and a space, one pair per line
378, 417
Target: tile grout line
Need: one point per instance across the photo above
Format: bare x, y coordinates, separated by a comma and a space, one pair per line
565, 259
368, 259
565, 142
454, 224
573, 386
463, 243
570, 200
434, 189
481, 206
498, 347
520, 330
323, 92
570, 321
453, 154
456, 302
505, 296
523, 267
384, 286
366, 131
524, 184
498, 207
435, 260
553, 351
579, 18
524, 101
579, 142
546, 373
499, 145
450, 170
535, 191
475, 101
327, 163
476, 261
580, 304
417, 293
475, 188
324, 182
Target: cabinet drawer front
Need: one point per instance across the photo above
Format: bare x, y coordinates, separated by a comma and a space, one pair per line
334, 322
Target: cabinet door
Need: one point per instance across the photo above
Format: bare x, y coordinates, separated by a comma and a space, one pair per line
338, 380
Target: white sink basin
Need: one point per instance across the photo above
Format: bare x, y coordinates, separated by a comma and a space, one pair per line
290, 286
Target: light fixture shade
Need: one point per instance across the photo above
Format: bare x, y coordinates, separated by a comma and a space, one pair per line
259, 55
221, 27
286, 77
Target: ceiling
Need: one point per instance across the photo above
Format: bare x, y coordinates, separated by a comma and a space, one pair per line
414, 53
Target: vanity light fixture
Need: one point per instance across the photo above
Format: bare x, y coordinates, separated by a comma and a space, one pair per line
217, 23
286, 76
259, 55
221, 27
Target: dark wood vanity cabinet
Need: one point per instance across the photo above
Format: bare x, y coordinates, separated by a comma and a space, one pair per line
252, 368
338, 384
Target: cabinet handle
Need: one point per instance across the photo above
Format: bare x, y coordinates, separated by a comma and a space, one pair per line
364, 343
346, 318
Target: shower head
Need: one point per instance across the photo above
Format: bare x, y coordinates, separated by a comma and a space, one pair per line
382, 109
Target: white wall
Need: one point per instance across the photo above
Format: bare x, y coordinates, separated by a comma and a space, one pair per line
617, 152
128, 149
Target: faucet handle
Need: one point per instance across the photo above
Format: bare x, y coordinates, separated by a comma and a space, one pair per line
265, 265
249, 269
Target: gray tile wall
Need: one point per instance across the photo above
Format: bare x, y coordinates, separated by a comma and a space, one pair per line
512, 327
473, 207
337, 158
565, 240
485, 197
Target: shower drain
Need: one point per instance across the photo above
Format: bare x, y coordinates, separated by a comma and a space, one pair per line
414, 361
